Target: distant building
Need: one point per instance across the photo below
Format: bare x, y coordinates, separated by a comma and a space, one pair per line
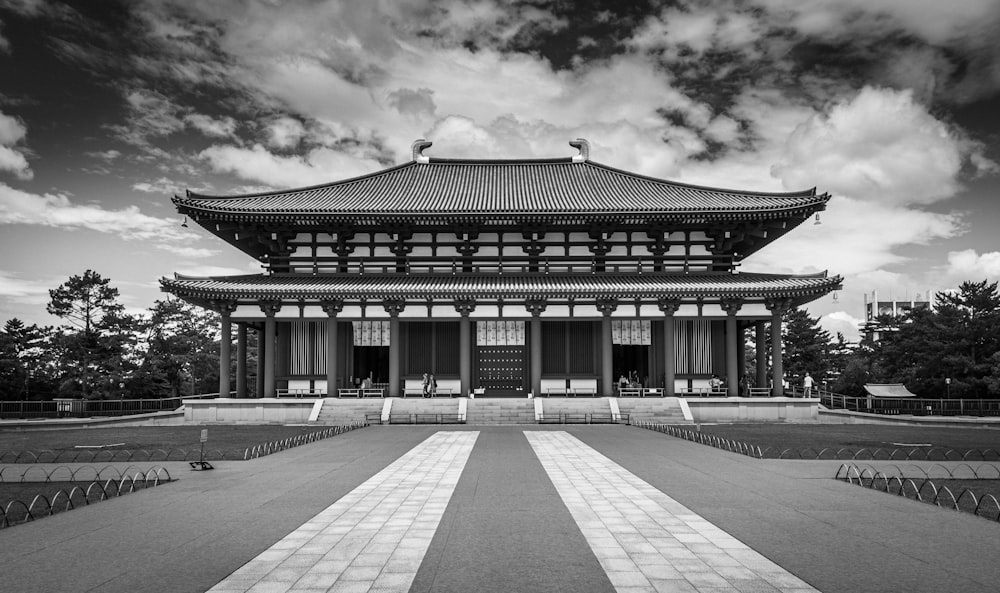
874, 309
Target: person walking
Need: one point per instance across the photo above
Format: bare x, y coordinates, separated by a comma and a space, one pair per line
433, 385
425, 384
807, 385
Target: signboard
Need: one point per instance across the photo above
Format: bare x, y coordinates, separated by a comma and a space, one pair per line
204, 435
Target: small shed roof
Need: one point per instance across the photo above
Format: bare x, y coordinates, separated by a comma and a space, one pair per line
888, 390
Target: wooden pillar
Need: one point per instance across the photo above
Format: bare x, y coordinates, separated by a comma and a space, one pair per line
225, 354
261, 354
761, 345
535, 307
777, 308
669, 308
269, 309
465, 307
241, 360
731, 307
394, 308
465, 355
332, 308
732, 368
607, 307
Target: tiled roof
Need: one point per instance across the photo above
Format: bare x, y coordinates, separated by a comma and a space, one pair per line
521, 286
504, 187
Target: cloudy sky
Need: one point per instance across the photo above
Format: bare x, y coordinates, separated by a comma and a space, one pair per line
108, 108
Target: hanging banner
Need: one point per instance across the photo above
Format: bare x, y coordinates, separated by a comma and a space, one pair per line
631, 332
500, 333
371, 333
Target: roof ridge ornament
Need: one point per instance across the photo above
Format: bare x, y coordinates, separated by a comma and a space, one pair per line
584, 147
418, 150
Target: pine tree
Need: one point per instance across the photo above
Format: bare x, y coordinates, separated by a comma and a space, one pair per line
93, 342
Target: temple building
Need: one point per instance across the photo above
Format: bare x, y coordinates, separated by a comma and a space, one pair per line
502, 278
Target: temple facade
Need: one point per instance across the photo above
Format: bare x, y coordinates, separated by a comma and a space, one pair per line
502, 278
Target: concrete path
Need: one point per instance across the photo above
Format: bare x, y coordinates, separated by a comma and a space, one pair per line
506, 525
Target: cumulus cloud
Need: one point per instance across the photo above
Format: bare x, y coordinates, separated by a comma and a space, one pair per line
968, 264
879, 145
12, 159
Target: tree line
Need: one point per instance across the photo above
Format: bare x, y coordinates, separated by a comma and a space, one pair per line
949, 350
172, 349
101, 352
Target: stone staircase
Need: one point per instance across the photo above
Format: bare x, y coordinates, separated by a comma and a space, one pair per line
575, 410
424, 410
491, 411
340, 412
661, 410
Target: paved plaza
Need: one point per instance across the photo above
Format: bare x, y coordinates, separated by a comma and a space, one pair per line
513, 508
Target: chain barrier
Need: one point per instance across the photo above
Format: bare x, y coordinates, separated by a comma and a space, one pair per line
16, 512
925, 490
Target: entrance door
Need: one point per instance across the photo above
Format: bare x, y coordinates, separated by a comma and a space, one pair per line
502, 370
373, 362
632, 362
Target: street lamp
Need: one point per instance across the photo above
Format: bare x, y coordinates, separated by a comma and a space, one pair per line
947, 386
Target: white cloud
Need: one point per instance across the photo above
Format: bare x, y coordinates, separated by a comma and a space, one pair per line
880, 145
224, 127
188, 252
284, 132
971, 265
320, 165
163, 185
12, 131
56, 210
12, 286
209, 270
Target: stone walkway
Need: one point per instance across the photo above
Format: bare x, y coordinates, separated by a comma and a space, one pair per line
581, 510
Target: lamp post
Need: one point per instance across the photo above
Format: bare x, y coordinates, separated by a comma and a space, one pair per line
947, 387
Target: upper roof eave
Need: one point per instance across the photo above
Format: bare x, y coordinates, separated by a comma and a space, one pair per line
555, 187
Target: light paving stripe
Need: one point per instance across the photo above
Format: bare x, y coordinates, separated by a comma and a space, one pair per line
645, 540
374, 538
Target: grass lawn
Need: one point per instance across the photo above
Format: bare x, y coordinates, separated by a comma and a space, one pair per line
778, 437
89, 441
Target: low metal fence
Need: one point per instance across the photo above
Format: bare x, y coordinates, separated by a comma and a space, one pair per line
912, 406
92, 408
15, 512
922, 488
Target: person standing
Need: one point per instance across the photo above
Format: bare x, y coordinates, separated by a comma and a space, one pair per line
433, 385
807, 385
426, 386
